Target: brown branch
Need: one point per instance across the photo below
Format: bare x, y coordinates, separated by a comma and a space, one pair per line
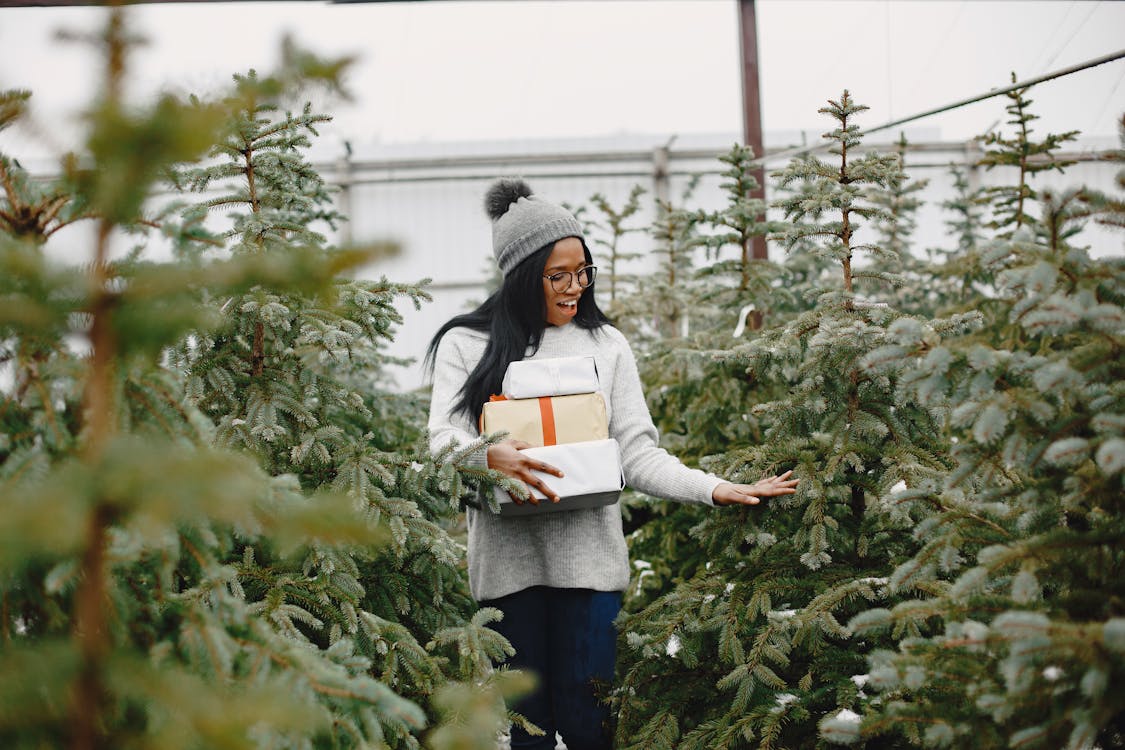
90, 630
169, 399
139, 395
191, 548
99, 387
90, 621
257, 354
45, 398
961, 512
50, 211
68, 222
746, 240
846, 227
255, 205
1023, 160
9, 187
280, 127
225, 201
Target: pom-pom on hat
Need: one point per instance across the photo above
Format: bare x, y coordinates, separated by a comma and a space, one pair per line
522, 223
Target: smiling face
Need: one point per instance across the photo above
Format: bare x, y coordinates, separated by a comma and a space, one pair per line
567, 255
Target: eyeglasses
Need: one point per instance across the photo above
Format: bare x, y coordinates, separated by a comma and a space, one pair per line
561, 281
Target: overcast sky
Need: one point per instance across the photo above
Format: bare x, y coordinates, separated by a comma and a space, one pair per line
442, 71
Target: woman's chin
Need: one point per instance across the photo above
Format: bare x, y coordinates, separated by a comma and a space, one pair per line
561, 315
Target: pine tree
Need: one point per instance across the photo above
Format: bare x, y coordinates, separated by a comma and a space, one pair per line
658, 317
912, 290
699, 403
1018, 581
803, 276
658, 310
966, 206
901, 202
760, 618
1011, 203
964, 281
695, 396
295, 379
959, 276
1109, 210
607, 232
158, 589
736, 225
32, 211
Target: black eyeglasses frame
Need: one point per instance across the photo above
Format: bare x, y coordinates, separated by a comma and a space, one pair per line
554, 278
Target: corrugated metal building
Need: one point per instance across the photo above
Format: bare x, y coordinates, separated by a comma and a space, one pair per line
428, 197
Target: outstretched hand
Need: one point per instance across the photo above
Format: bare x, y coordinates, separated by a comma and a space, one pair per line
506, 457
752, 494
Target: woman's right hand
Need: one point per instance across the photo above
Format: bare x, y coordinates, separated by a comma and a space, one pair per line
506, 457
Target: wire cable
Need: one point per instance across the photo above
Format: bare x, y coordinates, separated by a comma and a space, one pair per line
1070, 38
1058, 28
1111, 57
1109, 99
939, 48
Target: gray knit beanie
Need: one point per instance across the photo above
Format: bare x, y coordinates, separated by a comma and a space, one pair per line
522, 223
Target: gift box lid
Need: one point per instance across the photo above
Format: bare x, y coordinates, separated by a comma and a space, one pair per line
555, 376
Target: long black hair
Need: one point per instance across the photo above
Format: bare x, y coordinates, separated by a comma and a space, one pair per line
514, 318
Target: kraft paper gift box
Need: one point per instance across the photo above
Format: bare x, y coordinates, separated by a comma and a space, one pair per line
592, 478
548, 420
556, 376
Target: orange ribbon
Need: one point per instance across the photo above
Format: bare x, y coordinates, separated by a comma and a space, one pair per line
546, 413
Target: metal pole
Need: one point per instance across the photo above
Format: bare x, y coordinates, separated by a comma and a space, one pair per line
752, 107
344, 180
660, 173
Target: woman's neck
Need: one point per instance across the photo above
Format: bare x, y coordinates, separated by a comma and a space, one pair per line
554, 330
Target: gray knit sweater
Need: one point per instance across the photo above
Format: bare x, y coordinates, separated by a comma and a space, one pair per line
570, 549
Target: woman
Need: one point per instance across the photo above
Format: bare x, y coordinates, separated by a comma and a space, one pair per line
557, 577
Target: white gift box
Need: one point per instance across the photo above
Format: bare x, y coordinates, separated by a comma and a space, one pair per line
591, 478
558, 376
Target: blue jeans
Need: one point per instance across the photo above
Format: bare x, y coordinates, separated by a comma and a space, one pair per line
567, 639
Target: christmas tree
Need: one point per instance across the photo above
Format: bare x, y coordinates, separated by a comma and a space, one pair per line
1017, 611
295, 380
758, 619
956, 277
698, 402
736, 225
1011, 204
912, 290
657, 310
607, 231
171, 580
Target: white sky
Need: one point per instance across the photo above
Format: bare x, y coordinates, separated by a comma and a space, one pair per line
451, 71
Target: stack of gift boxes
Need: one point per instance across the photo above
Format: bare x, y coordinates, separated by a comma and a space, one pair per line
556, 405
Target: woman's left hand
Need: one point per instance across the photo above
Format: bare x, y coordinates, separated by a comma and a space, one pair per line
752, 494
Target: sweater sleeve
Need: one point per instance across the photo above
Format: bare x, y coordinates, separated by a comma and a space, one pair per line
648, 467
451, 370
